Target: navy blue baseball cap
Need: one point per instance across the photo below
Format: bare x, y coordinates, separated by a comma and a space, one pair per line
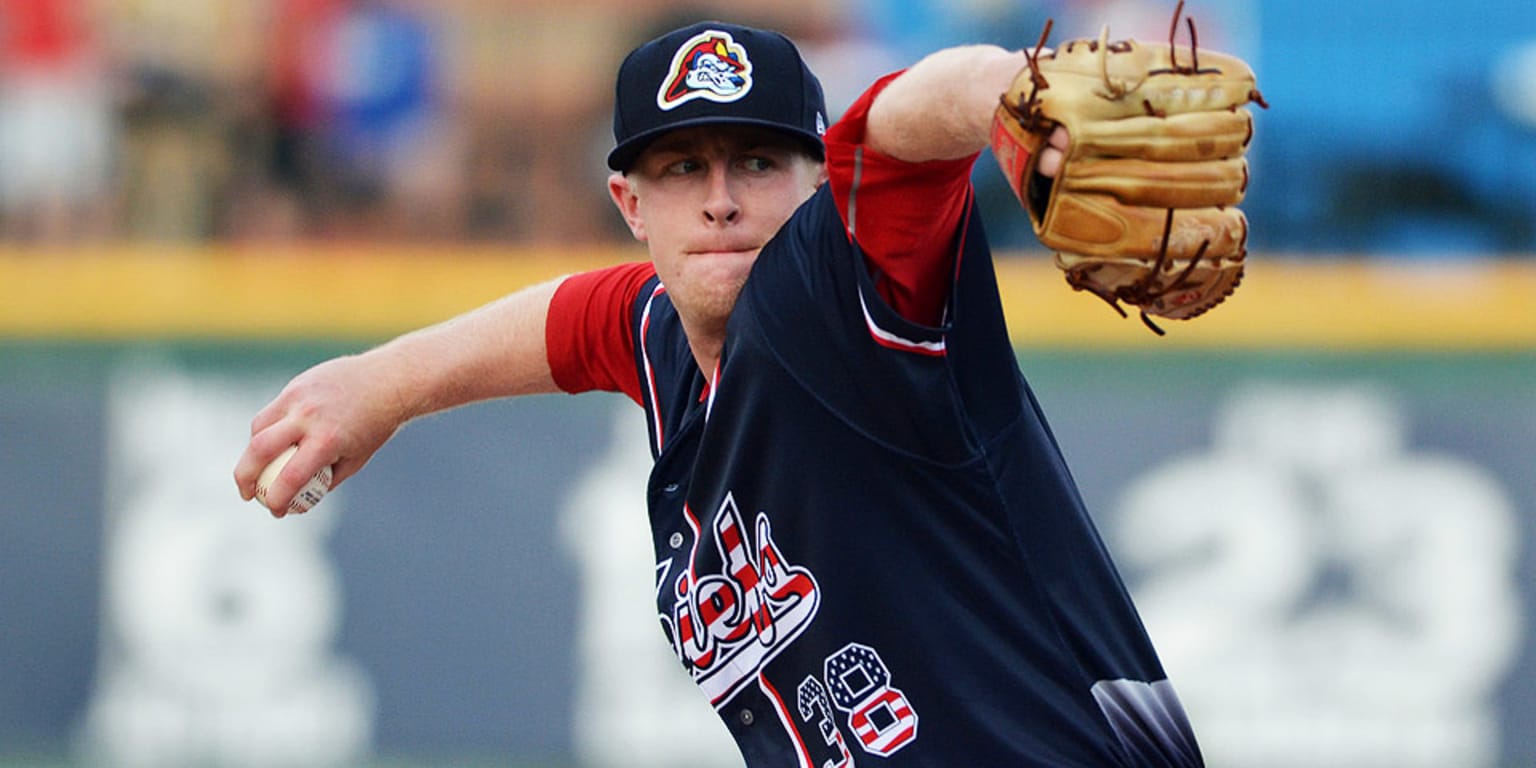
713, 73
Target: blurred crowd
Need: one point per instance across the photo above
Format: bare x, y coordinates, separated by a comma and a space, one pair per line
190, 121
397, 120
169, 120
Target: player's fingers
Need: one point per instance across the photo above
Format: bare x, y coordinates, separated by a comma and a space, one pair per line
265, 443
271, 414
1059, 138
315, 452
263, 447
346, 467
1050, 162
1054, 154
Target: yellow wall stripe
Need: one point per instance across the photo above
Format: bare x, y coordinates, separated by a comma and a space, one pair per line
1307, 303
366, 293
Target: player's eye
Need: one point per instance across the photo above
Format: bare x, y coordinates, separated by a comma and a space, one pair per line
682, 167
757, 164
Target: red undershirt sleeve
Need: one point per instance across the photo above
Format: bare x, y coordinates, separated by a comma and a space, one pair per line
589, 336
903, 215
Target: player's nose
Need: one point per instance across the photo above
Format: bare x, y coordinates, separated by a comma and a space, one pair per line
720, 204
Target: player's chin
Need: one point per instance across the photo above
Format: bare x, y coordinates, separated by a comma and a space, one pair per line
714, 296
721, 297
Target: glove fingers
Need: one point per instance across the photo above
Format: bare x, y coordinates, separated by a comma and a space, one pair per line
1160, 75
1143, 78
1106, 228
1158, 184
1178, 138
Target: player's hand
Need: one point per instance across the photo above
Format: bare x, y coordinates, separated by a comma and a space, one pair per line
339, 413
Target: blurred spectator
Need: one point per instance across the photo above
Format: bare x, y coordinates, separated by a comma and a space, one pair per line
535, 90
56, 127
293, 96
182, 76
360, 131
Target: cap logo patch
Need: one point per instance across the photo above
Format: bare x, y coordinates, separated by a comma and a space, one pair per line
711, 65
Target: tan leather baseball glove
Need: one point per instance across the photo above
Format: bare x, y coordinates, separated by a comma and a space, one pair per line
1143, 208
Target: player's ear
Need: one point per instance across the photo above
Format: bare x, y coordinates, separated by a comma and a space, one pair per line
622, 189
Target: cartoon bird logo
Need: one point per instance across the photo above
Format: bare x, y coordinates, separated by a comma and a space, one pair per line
712, 66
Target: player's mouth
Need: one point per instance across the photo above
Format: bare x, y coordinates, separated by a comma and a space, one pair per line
726, 251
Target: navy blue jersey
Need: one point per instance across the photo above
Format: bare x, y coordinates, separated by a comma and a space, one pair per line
869, 548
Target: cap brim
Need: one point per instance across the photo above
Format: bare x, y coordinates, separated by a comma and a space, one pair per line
624, 155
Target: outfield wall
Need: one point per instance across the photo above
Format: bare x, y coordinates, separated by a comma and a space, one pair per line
1321, 493
370, 292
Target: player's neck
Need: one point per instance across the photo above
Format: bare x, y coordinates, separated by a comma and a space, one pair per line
706, 337
706, 353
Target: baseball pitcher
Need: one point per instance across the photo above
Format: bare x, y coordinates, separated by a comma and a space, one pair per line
869, 549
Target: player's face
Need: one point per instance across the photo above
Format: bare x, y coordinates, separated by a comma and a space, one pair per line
706, 200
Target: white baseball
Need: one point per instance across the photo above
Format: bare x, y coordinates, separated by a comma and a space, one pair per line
307, 497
